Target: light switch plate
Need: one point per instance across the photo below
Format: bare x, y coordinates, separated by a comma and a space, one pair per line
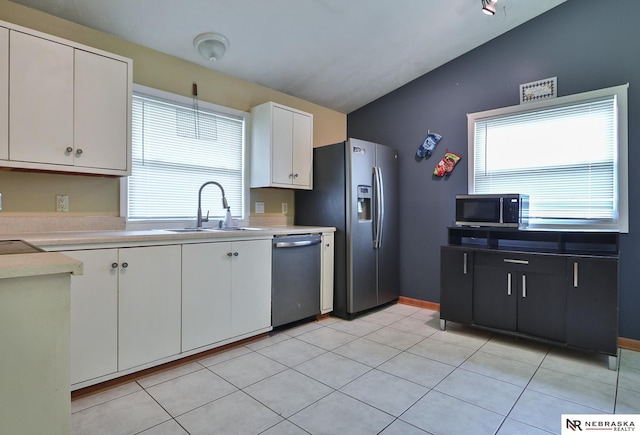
259, 207
285, 208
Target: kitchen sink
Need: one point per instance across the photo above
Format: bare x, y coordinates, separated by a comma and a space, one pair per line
240, 229
195, 230
191, 230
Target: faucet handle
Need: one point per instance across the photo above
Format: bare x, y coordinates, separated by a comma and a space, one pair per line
206, 219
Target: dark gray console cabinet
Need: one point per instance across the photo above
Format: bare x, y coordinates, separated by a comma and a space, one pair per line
557, 287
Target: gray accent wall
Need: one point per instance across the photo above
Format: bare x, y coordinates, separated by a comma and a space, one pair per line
586, 44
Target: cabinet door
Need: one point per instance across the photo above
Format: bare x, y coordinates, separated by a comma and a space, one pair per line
40, 100
592, 304
206, 294
302, 152
251, 286
100, 111
326, 277
149, 304
4, 93
542, 302
94, 315
456, 281
281, 146
495, 299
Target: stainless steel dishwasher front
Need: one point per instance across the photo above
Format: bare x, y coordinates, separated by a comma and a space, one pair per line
295, 282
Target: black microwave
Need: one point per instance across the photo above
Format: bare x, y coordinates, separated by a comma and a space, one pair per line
493, 210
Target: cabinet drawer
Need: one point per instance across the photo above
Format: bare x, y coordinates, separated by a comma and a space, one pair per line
524, 262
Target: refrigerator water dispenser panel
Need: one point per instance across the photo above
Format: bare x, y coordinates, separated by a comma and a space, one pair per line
364, 203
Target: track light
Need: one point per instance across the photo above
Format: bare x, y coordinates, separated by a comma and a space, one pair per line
488, 6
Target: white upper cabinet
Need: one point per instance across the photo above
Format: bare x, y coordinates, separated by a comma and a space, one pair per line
281, 147
4, 94
100, 111
69, 106
40, 100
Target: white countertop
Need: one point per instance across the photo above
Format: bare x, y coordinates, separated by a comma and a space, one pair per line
61, 238
40, 263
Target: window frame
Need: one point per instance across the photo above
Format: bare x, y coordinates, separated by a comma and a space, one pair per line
179, 223
620, 92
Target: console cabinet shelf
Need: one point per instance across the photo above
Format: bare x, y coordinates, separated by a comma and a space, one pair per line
557, 287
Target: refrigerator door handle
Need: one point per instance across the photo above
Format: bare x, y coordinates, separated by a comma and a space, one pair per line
379, 198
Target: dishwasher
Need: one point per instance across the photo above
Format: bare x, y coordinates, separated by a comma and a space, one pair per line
295, 278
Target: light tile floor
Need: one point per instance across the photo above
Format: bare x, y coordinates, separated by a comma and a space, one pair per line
389, 372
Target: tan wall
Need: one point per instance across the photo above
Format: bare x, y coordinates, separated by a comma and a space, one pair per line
28, 192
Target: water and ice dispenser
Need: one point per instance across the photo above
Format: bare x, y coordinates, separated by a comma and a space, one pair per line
364, 203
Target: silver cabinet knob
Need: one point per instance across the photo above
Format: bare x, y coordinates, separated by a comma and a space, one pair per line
114, 265
235, 254
125, 265
69, 149
229, 254
79, 151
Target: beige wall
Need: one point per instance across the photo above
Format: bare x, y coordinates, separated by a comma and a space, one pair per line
29, 192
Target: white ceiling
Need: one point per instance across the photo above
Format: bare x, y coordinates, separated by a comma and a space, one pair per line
341, 54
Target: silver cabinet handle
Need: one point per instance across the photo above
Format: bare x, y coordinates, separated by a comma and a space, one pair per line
69, 149
514, 261
524, 286
125, 265
575, 274
295, 175
114, 265
464, 264
509, 284
229, 254
79, 151
235, 254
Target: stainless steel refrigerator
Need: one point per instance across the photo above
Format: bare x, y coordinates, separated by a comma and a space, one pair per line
355, 189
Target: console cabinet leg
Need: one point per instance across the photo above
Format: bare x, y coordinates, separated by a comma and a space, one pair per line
443, 325
613, 362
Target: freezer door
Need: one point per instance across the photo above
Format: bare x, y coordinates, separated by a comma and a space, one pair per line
360, 253
388, 263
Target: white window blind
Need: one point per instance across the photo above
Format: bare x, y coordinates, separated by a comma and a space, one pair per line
566, 157
175, 149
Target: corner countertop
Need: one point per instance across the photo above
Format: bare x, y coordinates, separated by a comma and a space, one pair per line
39, 263
64, 238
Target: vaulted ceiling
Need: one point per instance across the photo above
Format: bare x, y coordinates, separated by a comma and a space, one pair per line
341, 54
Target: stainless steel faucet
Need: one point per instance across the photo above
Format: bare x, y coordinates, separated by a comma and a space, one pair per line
225, 204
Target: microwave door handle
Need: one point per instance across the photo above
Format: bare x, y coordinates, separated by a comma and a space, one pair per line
501, 210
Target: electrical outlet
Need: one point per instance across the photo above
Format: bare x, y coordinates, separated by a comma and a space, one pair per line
259, 207
285, 208
62, 202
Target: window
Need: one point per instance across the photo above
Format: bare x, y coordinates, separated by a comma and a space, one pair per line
176, 147
568, 154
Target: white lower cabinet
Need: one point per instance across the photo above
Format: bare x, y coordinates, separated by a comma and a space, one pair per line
134, 306
148, 304
226, 291
94, 315
125, 309
206, 294
326, 278
251, 286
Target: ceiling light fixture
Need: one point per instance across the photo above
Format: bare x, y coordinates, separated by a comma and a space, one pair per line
211, 46
489, 6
